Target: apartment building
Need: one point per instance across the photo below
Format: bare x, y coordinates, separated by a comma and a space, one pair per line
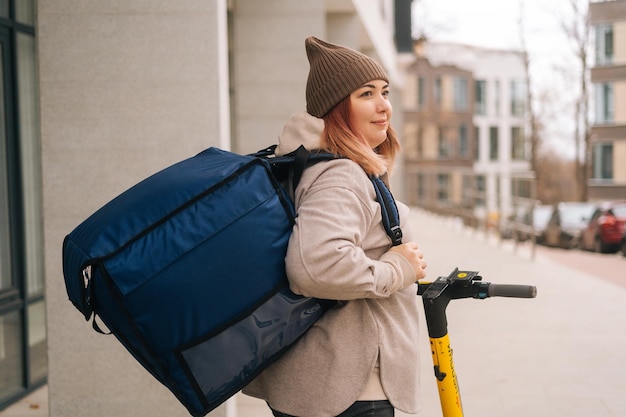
465, 119
96, 97
439, 143
607, 179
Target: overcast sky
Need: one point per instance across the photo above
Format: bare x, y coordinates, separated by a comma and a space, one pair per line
496, 24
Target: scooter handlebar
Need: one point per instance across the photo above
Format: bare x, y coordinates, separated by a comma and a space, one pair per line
511, 290
468, 284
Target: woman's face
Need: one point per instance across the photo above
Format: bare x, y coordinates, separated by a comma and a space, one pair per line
370, 111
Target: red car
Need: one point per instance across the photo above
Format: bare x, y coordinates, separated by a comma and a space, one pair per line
603, 232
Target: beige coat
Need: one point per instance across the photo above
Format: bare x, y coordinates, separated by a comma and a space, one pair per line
338, 250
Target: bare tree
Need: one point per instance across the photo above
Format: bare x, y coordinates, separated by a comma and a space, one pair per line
558, 181
577, 29
533, 118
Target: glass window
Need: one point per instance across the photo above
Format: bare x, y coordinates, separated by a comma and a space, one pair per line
460, 94
603, 161
604, 102
442, 143
5, 233
464, 150
4, 8
480, 97
10, 354
521, 187
518, 99
442, 187
467, 195
493, 143
496, 97
420, 142
480, 190
30, 157
23, 359
437, 91
518, 143
421, 94
604, 44
25, 12
37, 341
477, 141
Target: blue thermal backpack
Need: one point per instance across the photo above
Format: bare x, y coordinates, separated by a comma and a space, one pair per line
186, 269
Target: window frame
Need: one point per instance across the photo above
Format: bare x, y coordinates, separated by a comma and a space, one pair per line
19, 68
517, 98
518, 143
602, 157
460, 94
604, 44
480, 97
604, 102
494, 143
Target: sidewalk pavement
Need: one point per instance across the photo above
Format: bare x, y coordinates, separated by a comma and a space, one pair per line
560, 354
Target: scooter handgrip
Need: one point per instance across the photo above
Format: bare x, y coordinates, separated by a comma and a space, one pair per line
512, 290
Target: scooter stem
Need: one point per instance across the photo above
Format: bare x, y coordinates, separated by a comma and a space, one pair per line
436, 296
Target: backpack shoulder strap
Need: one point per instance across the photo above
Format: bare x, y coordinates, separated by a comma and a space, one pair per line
298, 160
391, 218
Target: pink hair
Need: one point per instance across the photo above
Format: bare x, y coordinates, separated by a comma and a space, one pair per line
340, 138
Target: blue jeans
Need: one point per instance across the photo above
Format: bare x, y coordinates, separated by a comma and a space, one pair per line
360, 409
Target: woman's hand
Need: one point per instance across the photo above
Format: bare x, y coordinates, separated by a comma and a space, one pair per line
415, 256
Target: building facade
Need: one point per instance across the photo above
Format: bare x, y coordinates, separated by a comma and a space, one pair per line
99, 95
23, 358
608, 75
465, 123
439, 142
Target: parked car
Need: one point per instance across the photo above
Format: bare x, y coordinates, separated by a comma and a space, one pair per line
566, 222
534, 221
603, 232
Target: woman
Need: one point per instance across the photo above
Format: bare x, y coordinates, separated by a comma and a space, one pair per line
361, 357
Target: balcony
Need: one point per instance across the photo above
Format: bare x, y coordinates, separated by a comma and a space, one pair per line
607, 11
608, 72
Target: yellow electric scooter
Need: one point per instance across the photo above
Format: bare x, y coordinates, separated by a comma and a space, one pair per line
436, 296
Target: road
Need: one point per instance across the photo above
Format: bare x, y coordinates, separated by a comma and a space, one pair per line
607, 267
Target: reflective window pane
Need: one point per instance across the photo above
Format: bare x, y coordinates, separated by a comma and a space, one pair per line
4, 8
30, 157
10, 354
37, 341
5, 247
25, 11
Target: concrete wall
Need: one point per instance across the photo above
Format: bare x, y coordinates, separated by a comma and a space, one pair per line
619, 32
270, 66
127, 88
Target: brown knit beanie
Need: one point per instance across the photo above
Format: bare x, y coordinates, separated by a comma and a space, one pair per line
335, 72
